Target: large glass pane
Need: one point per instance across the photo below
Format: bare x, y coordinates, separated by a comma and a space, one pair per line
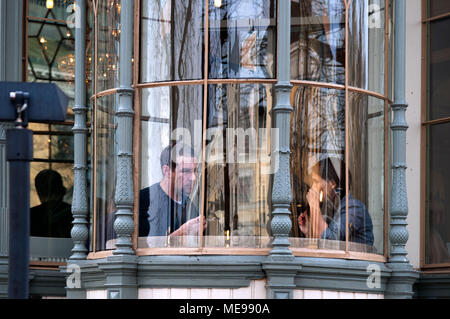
238, 165
51, 198
242, 39
50, 48
172, 37
319, 207
438, 7
62, 143
318, 40
366, 67
108, 31
171, 137
438, 195
105, 150
50, 213
53, 9
439, 68
66, 171
366, 169
50, 53
317, 170
41, 142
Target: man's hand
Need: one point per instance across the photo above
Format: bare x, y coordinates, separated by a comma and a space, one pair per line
190, 228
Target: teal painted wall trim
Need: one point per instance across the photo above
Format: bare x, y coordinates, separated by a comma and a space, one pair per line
121, 274
131, 272
342, 275
47, 283
280, 278
432, 286
199, 271
91, 277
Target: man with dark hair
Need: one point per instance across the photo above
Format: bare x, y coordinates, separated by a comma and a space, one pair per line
163, 207
327, 187
53, 218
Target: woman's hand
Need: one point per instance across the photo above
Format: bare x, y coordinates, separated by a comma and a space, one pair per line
316, 225
303, 222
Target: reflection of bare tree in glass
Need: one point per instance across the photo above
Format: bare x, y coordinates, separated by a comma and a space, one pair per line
184, 57
358, 148
318, 132
237, 190
318, 120
241, 45
241, 39
318, 40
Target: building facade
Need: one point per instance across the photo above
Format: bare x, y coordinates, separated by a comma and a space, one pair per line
235, 149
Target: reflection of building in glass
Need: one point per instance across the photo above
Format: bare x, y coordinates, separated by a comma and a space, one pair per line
242, 40
318, 41
238, 184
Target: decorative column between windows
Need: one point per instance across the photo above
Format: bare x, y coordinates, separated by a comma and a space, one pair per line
124, 224
280, 266
281, 187
80, 208
121, 268
399, 203
403, 276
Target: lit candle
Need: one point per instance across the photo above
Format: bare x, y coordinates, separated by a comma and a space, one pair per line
49, 4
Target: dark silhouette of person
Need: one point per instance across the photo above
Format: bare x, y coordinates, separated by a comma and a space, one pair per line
53, 218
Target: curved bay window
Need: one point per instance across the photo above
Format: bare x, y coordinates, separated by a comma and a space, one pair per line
204, 173
204, 136
338, 127
106, 37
